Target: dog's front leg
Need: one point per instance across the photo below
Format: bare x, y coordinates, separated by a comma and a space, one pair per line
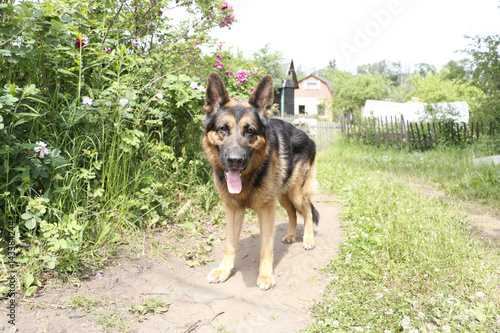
234, 220
266, 222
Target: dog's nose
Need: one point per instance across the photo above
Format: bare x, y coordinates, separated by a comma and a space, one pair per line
235, 159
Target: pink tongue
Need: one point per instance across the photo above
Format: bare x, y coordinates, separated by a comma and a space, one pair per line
234, 181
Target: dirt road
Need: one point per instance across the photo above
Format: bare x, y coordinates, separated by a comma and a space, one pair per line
237, 305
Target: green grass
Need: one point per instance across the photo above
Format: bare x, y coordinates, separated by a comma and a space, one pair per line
409, 261
149, 304
450, 168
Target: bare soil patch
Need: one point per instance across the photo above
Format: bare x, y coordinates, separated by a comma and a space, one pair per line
237, 305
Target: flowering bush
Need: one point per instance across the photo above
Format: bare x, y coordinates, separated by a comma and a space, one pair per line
239, 81
96, 114
100, 123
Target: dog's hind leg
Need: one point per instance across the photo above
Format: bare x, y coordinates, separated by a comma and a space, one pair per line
302, 202
287, 204
234, 220
266, 217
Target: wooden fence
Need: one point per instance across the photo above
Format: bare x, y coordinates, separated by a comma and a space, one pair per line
395, 132
392, 131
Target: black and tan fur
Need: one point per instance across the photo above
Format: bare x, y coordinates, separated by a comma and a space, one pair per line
275, 161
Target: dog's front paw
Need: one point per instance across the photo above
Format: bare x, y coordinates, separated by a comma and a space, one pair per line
308, 243
288, 239
218, 275
266, 282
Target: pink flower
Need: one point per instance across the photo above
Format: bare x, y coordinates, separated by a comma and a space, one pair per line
162, 41
196, 43
218, 56
241, 76
252, 90
160, 13
220, 46
194, 85
229, 74
219, 66
80, 43
107, 50
224, 6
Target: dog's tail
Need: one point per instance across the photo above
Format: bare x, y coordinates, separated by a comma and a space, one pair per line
315, 214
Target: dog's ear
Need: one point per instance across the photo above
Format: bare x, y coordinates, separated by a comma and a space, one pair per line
263, 97
216, 94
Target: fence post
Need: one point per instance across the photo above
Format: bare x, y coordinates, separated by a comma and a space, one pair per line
429, 133
360, 130
387, 128
412, 133
435, 133
408, 139
403, 131
366, 129
465, 132
377, 128
396, 126
392, 133
423, 136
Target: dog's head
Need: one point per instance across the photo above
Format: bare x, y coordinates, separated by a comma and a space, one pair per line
235, 138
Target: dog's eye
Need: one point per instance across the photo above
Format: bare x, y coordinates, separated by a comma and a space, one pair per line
224, 129
250, 131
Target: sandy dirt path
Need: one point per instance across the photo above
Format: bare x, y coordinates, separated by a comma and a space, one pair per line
237, 305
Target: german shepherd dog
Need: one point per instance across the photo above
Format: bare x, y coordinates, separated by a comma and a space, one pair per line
256, 161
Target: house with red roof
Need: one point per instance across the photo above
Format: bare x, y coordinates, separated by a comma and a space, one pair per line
311, 91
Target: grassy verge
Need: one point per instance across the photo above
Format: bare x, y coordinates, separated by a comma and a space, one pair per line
409, 262
450, 168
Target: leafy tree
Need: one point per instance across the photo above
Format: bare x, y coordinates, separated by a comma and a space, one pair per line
458, 70
329, 71
423, 69
269, 63
485, 54
437, 88
351, 92
392, 70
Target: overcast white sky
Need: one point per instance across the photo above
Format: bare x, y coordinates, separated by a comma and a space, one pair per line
360, 31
